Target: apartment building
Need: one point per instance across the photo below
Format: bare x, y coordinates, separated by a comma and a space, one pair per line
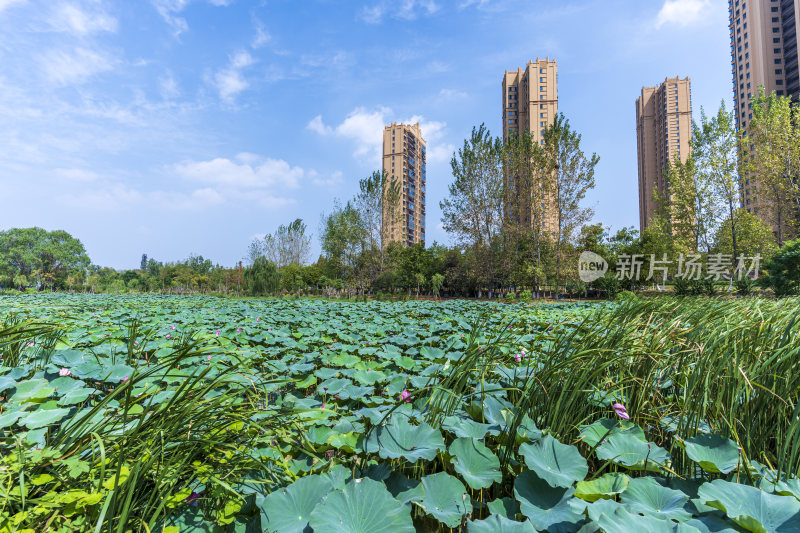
663, 133
530, 103
763, 53
404, 163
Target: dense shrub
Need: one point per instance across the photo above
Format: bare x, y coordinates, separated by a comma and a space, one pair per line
783, 270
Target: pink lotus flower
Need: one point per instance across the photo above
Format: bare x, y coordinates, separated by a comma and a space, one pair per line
209, 358
172, 327
30, 345
258, 320
125, 379
238, 330
518, 358
323, 405
135, 342
64, 372
217, 333
169, 336
621, 412
405, 395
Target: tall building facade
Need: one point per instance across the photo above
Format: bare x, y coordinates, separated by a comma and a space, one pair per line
530, 103
404, 164
763, 53
663, 132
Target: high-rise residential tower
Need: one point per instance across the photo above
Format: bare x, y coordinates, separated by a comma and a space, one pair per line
763, 53
404, 164
663, 132
530, 103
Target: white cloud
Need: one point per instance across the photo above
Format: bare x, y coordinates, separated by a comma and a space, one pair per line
402, 9
198, 199
331, 182
77, 174
230, 81
318, 126
246, 171
476, 3
72, 19
452, 94
114, 197
365, 128
262, 37
168, 87
682, 12
64, 68
171, 9
8, 3
433, 132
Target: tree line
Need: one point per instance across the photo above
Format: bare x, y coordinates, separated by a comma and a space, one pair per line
515, 210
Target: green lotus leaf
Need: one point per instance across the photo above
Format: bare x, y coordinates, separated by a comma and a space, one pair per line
707, 524
559, 464
445, 499
31, 389
712, 452
75, 396
468, 428
646, 496
43, 417
307, 382
505, 507
786, 487
601, 429
65, 384
10, 417
752, 508
401, 439
545, 506
604, 487
67, 358
627, 449
289, 509
622, 521
478, 466
363, 506
339, 476
499, 524
369, 377
7, 382
403, 489
332, 386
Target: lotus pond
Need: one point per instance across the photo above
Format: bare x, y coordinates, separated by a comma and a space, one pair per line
189, 414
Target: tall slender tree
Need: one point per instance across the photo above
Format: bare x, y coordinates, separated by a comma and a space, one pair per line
573, 175
772, 155
715, 144
473, 210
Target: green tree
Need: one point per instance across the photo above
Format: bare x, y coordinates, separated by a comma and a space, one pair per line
48, 257
527, 184
783, 270
715, 144
573, 173
343, 240
473, 209
772, 151
262, 277
682, 205
754, 236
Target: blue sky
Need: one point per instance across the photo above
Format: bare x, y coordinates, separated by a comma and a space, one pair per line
171, 127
